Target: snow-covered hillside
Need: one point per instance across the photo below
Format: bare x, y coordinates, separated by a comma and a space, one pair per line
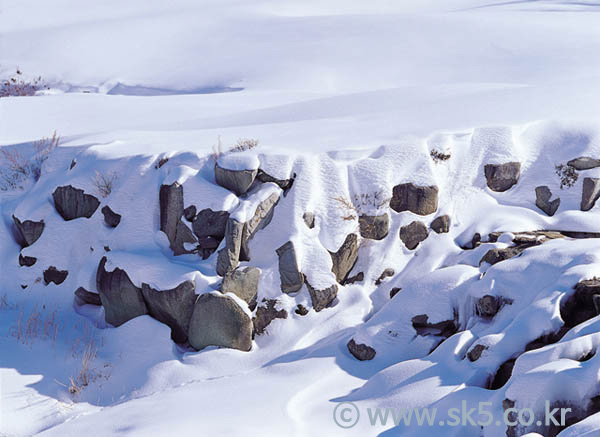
260, 211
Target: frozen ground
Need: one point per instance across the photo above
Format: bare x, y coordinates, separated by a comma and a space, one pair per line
352, 97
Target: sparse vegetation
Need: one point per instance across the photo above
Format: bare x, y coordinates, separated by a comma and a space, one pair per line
360, 204
244, 144
438, 156
567, 174
104, 182
86, 374
35, 325
17, 85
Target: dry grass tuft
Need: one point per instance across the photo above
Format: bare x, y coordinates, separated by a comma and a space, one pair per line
104, 182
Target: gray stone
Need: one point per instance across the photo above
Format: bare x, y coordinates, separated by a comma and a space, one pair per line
361, 352
26, 261
501, 177
238, 181
591, 192
289, 273
413, 234
172, 307
111, 218
441, 224
322, 298
284, 184
309, 219
475, 353
218, 320
494, 256
52, 274
122, 301
28, 231
265, 314
171, 210
387, 273
72, 203
423, 327
261, 218
542, 200
209, 223
243, 282
584, 163
374, 227
87, 297
345, 258
190, 213
229, 256
422, 200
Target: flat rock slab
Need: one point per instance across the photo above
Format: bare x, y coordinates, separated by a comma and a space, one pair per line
584, 163
421, 200
238, 181
72, 203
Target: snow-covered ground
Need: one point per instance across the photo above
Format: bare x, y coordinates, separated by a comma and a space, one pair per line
351, 97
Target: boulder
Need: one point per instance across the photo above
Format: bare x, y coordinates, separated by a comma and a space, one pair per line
111, 218
412, 234
171, 210
475, 353
122, 301
423, 327
309, 219
172, 307
72, 203
190, 213
265, 314
441, 224
345, 258
542, 200
52, 274
284, 184
488, 306
387, 273
289, 273
217, 320
87, 297
229, 256
374, 227
322, 298
26, 261
209, 223
590, 193
501, 177
243, 282
28, 231
580, 305
422, 200
494, 256
394, 291
301, 310
261, 218
361, 352
238, 181
584, 163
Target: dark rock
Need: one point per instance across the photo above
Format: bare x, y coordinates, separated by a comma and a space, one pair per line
345, 258
209, 223
502, 375
289, 274
590, 193
243, 282
387, 273
172, 307
475, 242
265, 314
359, 277
218, 320
23, 286
394, 291
441, 224
445, 328
284, 184
72, 203
374, 227
501, 177
111, 218
584, 163
494, 256
309, 219
73, 163
542, 200
493, 236
422, 200
88, 297
229, 256
261, 218
322, 298
52, 274
576, 234
122, 301
475, 353
301, 310
238, 181
28, 231
106, 249
413, 234
171, 210
26, 261
580, 305
189, 213
361, 352
488, 306
161, 162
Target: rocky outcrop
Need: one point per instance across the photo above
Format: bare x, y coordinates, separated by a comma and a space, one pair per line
217, 320
374, 227
265, 314
26, 261
413, 234
52, 274
243, 282
309, 219
171, 210
289, 273
543, 202
321, 299
584, 163
494, 256
111, 218
122, 301
238, 181
172, 307
345, 258
441, 224
387, 273
361, 352
28, 231
422, 200
87, 297
284, 184
501, 177
590, 193
209, 226
423, 327
72, 203
229, 256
